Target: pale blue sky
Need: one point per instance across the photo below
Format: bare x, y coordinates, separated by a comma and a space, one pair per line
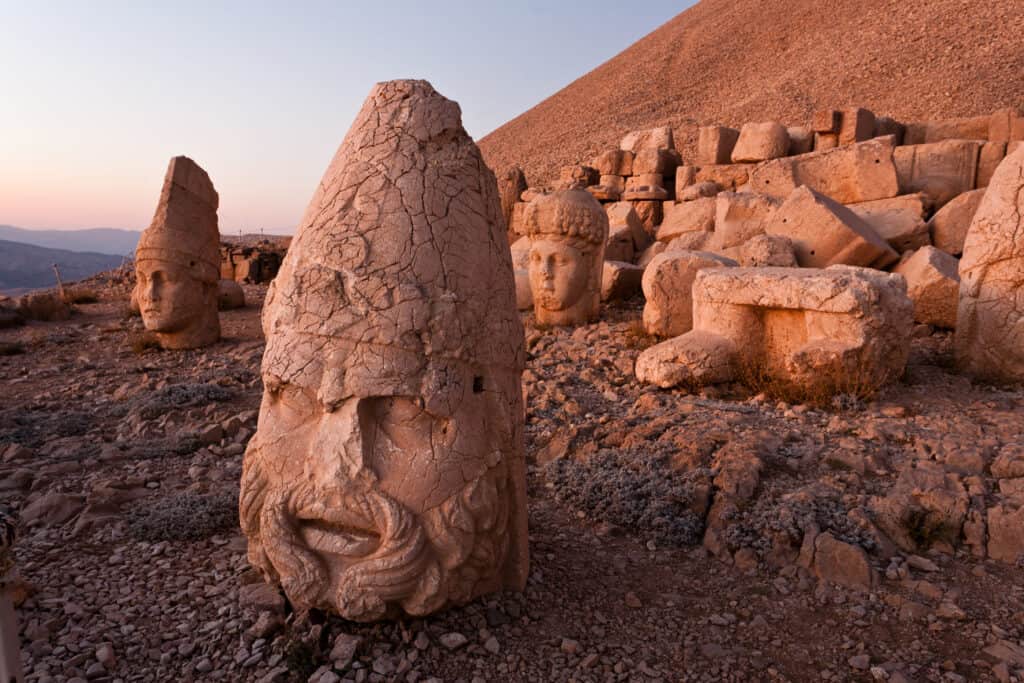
95, 97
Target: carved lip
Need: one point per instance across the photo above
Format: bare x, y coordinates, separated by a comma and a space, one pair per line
338, 532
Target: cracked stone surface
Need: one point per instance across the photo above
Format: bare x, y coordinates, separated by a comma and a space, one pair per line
990, 317
177, 261
387, 473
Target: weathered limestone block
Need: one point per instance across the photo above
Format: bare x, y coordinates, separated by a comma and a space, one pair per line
842, 563
656, 161
926, 132
685, 176
933, 284
739, 216
568, 232
761, 142
647, 187
230, 295
825, 141
941, 170
948, 227
652, 138
623, 214
726, 176
826, 121
577, 176
511, 186
698, 240
609, 189
698, 191
715, 145
885, 126
688, 217
927, 504
899, 221
614, 162
648, 254
801, 140
620, 281
857, 173
667, 283
991, 155
1005, 125
838, 330
620, 244
651, 214
387, 474
826, 233
990, 321
767, 251
1006, 533
177, 261
856, 125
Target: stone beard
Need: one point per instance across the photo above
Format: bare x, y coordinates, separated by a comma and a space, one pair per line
568, 231
176, 304
397, 495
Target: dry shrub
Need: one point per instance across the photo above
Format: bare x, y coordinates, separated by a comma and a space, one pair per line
841, 392
636, 336
141, 342
81, 295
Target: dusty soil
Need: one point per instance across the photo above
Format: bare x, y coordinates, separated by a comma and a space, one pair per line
732, 61
134, 568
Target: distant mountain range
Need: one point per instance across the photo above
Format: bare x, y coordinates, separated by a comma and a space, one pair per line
27, 266
94, 241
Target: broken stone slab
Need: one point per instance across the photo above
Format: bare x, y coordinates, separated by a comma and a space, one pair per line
885, 126
623, 214
697, 191
926, 132
230, 295
647, 187
926, 505
933, 284
1005, 125
842, 563
761, 142
739, 216
989, 338
899, 221
856, 173
609, 188
656, 161
667, 283
578, 176
801, 140
651, 138
651, 214
811, 331
648, 254
1006, 533
948, 227
856, 125
941, 170
698, 215
767, 251
614, 162
826, 121
825, 141
620, 280
715, 145
826, 233
726, 176
991, 155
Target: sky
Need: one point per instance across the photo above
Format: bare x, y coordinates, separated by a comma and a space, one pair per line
96, 97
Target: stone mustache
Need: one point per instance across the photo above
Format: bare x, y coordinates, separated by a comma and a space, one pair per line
387, 474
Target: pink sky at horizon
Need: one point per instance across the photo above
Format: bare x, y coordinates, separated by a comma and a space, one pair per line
102, 95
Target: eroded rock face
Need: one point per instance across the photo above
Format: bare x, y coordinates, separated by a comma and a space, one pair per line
510, 188
990, 318
387, 472
817, 332
177, 261
568, 231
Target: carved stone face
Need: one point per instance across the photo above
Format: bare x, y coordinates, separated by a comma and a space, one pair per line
559, 274
170, 298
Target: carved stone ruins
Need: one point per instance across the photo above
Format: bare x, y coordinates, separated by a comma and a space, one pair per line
990, 318
568, 232
387, 474
177, 261
837, 330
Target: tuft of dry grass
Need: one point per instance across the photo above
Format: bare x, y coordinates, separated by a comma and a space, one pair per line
81, 295
636, 337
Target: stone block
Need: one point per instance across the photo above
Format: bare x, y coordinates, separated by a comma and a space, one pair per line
715, 145
652, 138
648, 254
926, 132
698, 215
620, 280
989, 339
856, 125
667, 282
614, 162
765, 251
857, 173
726, 176
1006, 533
815, 332
991, 155
801, 140
1005, 125
933, 284
885, 126
623, 214
609, 189
941, 170
647, 187
899, 221
825, 141
652, 161
650, 214
698, 191
948, 227
826, 233
230, 295
740, 216
761, 142
826, 121
842, 563
578, 175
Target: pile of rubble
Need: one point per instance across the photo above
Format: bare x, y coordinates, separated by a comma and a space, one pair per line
252, 263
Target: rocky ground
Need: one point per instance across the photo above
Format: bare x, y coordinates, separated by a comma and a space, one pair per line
720, 536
